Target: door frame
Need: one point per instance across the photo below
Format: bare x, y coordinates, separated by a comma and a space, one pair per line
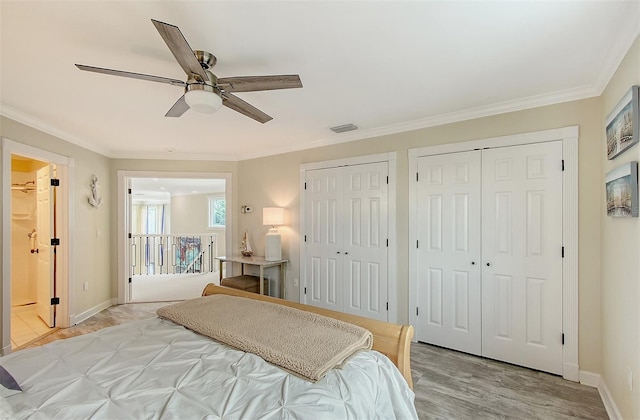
65, 168
569, 137
124, 205
392, 255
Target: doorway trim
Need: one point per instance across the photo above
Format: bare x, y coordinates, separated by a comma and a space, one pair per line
569, 137
124, 176
65, 167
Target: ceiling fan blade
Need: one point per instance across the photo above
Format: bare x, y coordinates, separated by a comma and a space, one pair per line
179, 108
255, 83
180, 49
237, 104
121, 73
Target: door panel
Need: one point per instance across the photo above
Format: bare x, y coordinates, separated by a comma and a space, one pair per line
449, 251
435, 298
461, 301
365, 248
44, 227
323, 267
522, 263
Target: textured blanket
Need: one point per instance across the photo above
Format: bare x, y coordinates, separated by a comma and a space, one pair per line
304, 343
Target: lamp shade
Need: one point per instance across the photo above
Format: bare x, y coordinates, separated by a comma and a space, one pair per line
273, 216
203, 101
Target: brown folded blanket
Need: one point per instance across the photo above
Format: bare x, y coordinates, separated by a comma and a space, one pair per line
302, 342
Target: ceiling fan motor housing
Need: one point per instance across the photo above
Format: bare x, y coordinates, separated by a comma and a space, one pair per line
206, 59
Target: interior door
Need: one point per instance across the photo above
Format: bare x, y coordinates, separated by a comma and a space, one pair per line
364, 239
346, 262
44, 227
324, 262
522, 259
448, 232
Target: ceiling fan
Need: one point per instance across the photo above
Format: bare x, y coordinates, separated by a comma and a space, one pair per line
203, 91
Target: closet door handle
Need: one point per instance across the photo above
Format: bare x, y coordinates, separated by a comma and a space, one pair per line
488, 264
338, 252
346, 253
473, 263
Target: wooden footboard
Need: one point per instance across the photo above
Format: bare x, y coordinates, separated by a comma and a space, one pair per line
392, 340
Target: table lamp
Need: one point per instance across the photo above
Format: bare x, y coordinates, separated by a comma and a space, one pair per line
273, 216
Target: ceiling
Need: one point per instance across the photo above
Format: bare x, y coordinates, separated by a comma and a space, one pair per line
384, 66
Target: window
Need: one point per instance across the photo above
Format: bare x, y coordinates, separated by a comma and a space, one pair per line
151, 219
217, 212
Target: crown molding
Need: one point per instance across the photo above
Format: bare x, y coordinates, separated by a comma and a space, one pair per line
628, 34
469, 114
212, 157
579, 93
28, 120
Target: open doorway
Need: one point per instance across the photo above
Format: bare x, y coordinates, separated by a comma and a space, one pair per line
175, 225
35, 244
33, 275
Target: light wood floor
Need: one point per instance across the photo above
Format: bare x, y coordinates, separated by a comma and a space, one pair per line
109, 317
26, 325
453, 385
448, 384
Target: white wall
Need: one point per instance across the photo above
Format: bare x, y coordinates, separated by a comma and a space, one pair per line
620, 263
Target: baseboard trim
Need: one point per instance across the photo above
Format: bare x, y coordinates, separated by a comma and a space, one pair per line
76, 319
608, 401
590, 379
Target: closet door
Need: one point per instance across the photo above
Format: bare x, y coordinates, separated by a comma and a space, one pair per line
346, 263
323, 261
449, 289
365, 233
522, 260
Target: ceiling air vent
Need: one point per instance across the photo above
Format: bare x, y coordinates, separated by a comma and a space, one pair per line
343, 128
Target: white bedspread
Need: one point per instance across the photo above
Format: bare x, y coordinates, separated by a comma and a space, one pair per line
157, 369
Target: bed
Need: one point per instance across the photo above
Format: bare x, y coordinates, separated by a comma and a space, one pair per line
157, 368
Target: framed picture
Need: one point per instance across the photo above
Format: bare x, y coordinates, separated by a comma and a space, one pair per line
188, 255
622, 191
622, 125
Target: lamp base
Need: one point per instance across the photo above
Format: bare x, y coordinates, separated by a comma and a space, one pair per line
273, 246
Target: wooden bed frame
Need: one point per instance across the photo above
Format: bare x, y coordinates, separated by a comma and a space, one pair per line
392, 340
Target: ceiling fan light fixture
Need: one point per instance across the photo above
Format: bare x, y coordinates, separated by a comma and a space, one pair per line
204, 101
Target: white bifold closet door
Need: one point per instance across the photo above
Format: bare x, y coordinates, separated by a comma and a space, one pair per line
347, 230
490, 253
449, 251
522, 255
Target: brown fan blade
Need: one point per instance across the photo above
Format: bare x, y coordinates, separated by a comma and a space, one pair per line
237, 104
180, 49
179, 108
121, 73
255, 83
